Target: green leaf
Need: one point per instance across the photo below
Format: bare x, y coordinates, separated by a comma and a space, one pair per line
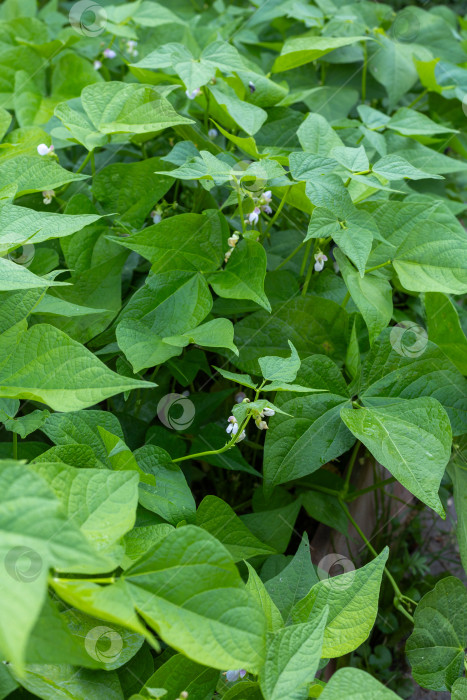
355, 237
279, 369
313, 433
35, 535
409, 122
243, 379
16, 276
294, 581
258, 591
215, 516
274, 527
24, 425
292, 659
459, 689
353, 159
458, 474
445, 330
243, 276
372, 296
297, 51
435, 649
411, 438
35, 174
217, 333
395, 167
43, 364
352, 599
219, 624
249, 117
317, 136
184, 242
83, 683
180, 674
356, 684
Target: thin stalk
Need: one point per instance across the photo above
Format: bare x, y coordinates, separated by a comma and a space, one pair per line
350, 467
240, 207
345, 300
289, 257
84, 163
399, 597
414, 102
15, 446
364, 70
305, 257
93, 163
368, 489
377, 267
278, 210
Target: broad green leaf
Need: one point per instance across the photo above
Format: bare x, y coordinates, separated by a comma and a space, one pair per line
292, 659
390, 63
352, 599
294, 581
353, 159
409, 122
435, 649
35, 174
22, 425
411, 438
180, 674
219, 624
36, 535
217, 333
16, 276
280, 369
243, 276
313, 434
43, 364
395, 167
372, 296
354, 236
317, 136
458, 473
274, 527
47, 681
299, 50
249, 117
326, 509
183, 242
329, 191
258, 591
355, 684
216, 517
243, 379
459, 689
445, 330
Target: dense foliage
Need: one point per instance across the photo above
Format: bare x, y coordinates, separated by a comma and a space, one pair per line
231, 282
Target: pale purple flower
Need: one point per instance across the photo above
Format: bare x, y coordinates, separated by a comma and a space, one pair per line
232, 676
44, 150
194, 93
320, 258
97, 64
254, 216
48, 195
156, 216
266, 197
131, 47
109, 53
239, 396
267, 209
213, 133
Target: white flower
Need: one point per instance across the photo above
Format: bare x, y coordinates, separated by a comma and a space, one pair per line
44, 150
232, 425
131, 47
320, 258
254, 216
97, 64
47, 195
228, 254
266, 197
242, 436
156, 215
193, 94
232, 241
235, 675
109, 53
261, 424
212, 133
268, 412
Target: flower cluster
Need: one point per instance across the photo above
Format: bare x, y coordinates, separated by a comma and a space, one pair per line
232, 676
48, 196
233, 427
262, 205
107, 53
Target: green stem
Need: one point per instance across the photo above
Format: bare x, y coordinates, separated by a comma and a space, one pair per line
398, 595
309, 271
364, 70
240, 207
350, 467
206, 109
305, 257
108, 579
15, 446
289, 257
414, 102
93, 163
368, 489
377, 267
278, 210
84, 163
345, 300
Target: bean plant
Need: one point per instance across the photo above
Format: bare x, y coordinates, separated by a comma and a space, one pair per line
232, 270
